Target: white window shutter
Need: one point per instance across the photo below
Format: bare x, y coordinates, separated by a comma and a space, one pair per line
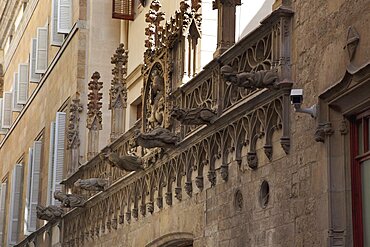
60, 127
51, 164
64, 16
33, 76
2, 130
22, 93
4, 187
6, 119
42, 50
28, 192
16, 106
15, 204
56, 38
35, 184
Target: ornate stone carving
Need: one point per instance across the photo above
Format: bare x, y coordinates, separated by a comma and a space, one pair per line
199, 183
159, 137
168, 197
157, 107
135, 213
251, 80
128, 217
159, 202
94, 114
75, 108
225, 172
352, 42
178, 193
343, 129
127, 162
150, 207
118, 92
154, 30
323, 130
212, 178
194, 116
69, 200
49, 213
252, 160
188, 188
91, 184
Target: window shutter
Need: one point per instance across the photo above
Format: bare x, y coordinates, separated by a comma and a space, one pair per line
15, 204
60, 127
56, 38
16, 106
6, 119
28, 193
42, 50
33, 76
123, 9
35, 183
64, 16
22, 93
2, 130
51, 164
4, 187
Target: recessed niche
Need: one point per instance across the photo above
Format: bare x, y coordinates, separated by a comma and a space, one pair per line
264, 194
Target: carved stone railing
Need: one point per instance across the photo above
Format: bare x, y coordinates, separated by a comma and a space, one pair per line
97, 168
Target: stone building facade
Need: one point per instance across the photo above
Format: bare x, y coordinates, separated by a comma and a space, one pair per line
227, 155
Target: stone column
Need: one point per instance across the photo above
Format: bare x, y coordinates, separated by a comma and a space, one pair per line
226, 24
94, 115
73, 139
118, 92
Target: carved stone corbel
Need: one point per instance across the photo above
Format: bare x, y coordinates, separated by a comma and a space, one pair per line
49, 213
69, 200
127, 162
323, 130
91, 184
194, 116
159, 137
150, 207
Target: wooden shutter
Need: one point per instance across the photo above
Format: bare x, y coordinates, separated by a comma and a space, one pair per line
123, 9
35, 184
60, 126
2, 130
51, 164
55, 37
33, 76
22, 93
28, 193
42, 50
6, 119
15, 106
64, 16
4, 191
15, 204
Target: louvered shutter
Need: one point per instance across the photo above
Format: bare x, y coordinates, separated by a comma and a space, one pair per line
16, 106
64, 16
28, 193
33, 76
2, 130
35, 184
6, 119
4, 187
60, 126
56, 38
42, 50
15, 204
22, 93
123, 9
51, 164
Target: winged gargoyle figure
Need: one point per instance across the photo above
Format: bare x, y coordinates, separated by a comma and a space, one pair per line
159, 137
69, 200
194, 116
127, 162
251, 80
91, 184
49, 213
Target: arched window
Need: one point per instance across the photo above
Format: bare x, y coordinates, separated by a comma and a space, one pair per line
177, 239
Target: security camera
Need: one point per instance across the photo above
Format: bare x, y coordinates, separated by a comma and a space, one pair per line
296, 98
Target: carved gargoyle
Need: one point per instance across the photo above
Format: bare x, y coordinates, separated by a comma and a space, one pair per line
69, 200
194, 116
251, 80
126, 162
91, 184
49, 213
159, 137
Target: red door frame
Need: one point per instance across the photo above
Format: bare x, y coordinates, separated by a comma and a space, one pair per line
356, 159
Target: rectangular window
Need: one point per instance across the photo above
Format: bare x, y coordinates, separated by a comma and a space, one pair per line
3, 207
7, 116
16, 107
22, 93
42, 50
2, 130
360, 174
56, 38
64, 16
33, 76
123, 9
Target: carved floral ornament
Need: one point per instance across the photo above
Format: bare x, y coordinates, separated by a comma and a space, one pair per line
118, 90
73, 139
94, 114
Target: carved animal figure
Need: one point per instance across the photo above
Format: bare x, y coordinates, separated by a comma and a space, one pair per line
91, 184
127, 162
159, 137
251, 80
194, 116
49, 213
69, 200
